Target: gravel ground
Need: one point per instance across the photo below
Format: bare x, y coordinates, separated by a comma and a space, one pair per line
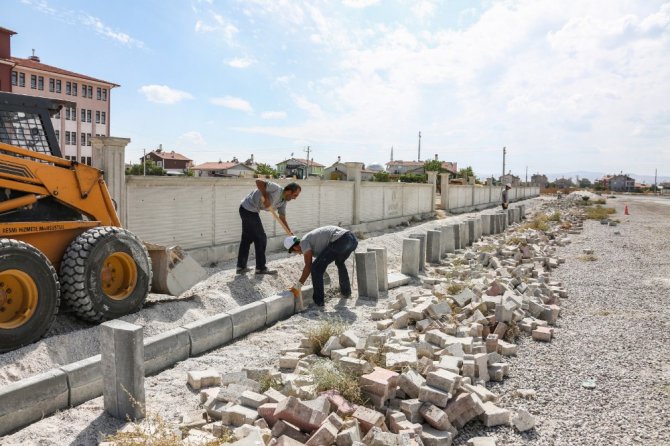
613, 329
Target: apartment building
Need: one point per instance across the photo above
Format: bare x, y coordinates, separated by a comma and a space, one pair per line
87, 110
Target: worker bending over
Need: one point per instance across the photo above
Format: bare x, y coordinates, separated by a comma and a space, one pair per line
320, 248
266, 197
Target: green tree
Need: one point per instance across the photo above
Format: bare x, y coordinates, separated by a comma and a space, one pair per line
151, 169
433, 166
266, 170
466, 172
382, 177
413, 178
584, 183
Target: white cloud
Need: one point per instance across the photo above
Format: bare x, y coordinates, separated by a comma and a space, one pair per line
233, 103
191, 138
216, 23
273, 115
359, 4
88, 20
162, 94
241, 62
99, 27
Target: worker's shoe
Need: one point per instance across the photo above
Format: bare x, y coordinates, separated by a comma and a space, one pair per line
271, 272
242, 270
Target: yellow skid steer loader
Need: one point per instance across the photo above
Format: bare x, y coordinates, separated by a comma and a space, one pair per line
60, 236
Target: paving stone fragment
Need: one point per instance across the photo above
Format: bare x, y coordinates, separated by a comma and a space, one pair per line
285, 429
368, 418
433, 395
436, 418
324, 435
434, 437
299, 414
494, 415
522, 420
198, 379
482, 441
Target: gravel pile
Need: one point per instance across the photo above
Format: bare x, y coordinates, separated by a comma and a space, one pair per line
614, 330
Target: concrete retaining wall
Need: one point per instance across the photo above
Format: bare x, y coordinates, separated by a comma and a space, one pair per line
459, 199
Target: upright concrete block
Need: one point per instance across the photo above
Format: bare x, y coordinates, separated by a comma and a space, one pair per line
478, 229
472, 231
433, 246
122, 348
463, 228
366, 274
487, 224
422, 249
411, 253
457, 235
382, 267
446, 240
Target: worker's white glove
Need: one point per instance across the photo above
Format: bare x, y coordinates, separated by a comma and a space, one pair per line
297, 289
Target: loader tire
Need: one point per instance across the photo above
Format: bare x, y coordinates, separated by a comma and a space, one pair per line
105, 273
29, 294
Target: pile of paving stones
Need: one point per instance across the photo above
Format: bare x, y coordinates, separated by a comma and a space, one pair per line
423, 374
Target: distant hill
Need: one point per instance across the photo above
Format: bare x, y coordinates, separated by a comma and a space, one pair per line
649, 179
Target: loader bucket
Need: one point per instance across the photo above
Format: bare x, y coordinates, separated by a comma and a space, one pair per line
174, 271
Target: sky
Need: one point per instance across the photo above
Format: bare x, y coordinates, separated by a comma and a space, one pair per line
563, 85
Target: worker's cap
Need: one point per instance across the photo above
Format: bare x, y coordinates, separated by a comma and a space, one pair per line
508, 185
290, 242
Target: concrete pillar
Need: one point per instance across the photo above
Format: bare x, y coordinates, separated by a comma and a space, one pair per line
411, 256
471, 231
422, 253
432, 179
473, 193
478, 229
382, 268
354, 174
122, 348
487, 224
109, 156
466, 237
366, 274
444, 190
462, 235
523, 211
447, 239
433, 246
457, 235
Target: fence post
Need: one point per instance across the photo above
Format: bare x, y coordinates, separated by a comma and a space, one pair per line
444, 191
108, 155
354, 174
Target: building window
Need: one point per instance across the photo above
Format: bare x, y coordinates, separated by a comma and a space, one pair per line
15, 78
159, 163
33, 81
83, 115
103, 118
74, 89
67, 113
88, 139
68, 88
22, 79
98, 93
52, 85
88, 115
83, 139
74, 138
58, 83
40, 83
90, 92
104, 94
67, 138
97, 117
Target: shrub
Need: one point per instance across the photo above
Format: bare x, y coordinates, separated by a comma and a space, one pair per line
599, 213
318, 335
556, 216
328, 376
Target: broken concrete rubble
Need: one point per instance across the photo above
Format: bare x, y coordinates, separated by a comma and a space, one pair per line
434, 354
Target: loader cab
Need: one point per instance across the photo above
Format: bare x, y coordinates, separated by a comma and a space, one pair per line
25, 122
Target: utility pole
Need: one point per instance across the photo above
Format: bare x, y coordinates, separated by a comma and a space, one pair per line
307, 169
419, 158
655, 178
502, 178
526, 175
144, 162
